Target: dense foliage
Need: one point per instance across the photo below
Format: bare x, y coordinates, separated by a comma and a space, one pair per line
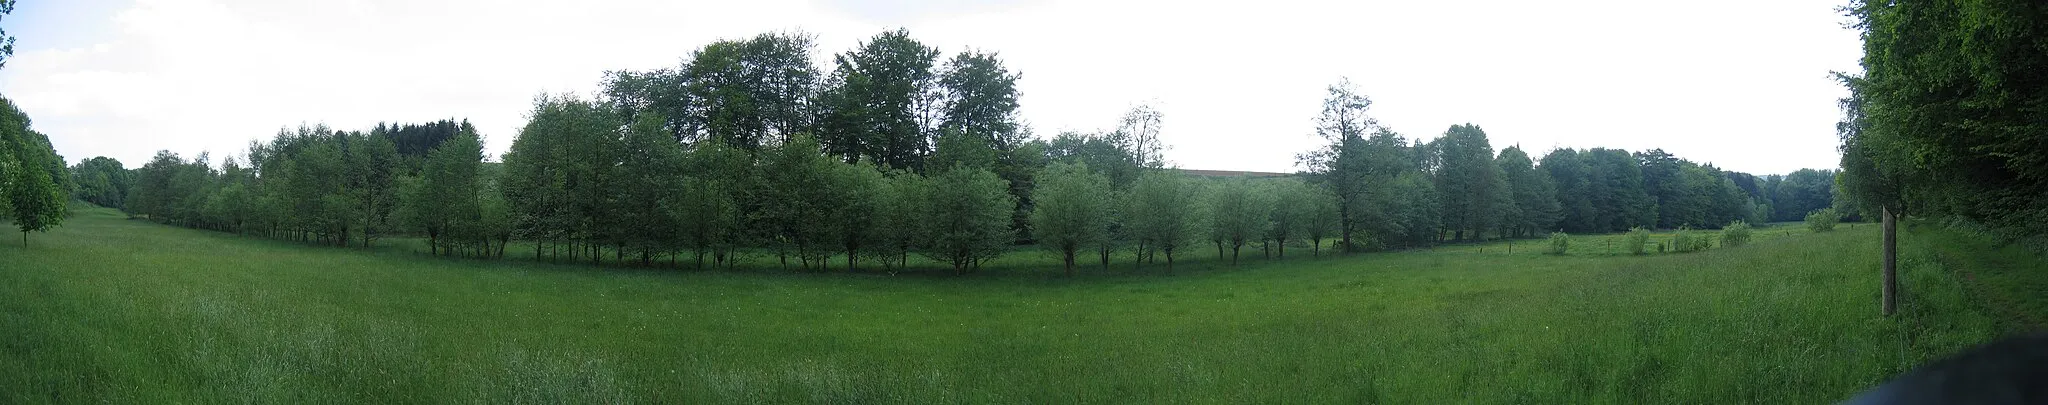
33, 180
746, 151
1947, 116
1638, 240
1735, 234
1560, 243
1822, 221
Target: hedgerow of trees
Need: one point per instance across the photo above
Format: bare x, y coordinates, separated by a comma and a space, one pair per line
1944, 120
747, 152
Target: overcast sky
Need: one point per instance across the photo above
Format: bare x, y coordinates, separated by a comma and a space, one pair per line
1742, 84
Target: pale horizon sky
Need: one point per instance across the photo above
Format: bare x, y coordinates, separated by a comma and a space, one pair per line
1740, 84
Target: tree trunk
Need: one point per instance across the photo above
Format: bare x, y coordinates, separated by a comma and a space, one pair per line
1169, 260
1070, 261
1891, 260
1344, 225
1233, 254
1282, 249
1138, 257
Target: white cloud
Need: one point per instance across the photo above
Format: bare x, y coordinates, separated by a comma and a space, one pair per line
1742, 84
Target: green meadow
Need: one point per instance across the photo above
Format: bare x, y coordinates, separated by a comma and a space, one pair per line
107, 309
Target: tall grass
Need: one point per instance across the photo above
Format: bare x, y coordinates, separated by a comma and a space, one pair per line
107, 310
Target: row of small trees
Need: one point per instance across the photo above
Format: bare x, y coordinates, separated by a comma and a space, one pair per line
310, 184
746, 148
1395, 193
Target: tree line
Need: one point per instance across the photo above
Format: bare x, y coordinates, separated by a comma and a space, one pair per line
748, 151
1945, 120
1394, 192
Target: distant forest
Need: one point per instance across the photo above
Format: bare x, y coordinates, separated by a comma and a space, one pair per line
748, 150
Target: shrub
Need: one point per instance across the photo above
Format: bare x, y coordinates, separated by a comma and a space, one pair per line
1736, 234
1822, 220
1638, 238
1558, 243
1685, 241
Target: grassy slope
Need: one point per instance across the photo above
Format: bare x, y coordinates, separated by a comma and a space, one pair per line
106, 309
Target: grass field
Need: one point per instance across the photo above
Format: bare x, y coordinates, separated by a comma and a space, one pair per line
112, 310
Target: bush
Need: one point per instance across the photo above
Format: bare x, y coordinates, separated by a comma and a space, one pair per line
1822, 220
1736, 234
1685, 241
1638, 238
1558, 243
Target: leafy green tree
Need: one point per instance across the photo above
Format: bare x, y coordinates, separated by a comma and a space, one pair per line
881, 102
102, 181
650, 180
37, 185
861, 201
1073, 210
1802, 192
747, 93
1469, 183
1239, 214
1294, 203
710, 214
1662, 181
900, 219
445, 204
1320, 218
1103, 153
1574, 190
152, 191
1163, 212
1600, 190
1414, 210
1343, 165
1533, 194
373, 164
980, 99
494, 214
961, 149
968, 216
799, 192
36, 200
557, 174
6, 41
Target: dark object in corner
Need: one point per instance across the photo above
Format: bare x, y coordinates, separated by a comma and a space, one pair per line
2011, 371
